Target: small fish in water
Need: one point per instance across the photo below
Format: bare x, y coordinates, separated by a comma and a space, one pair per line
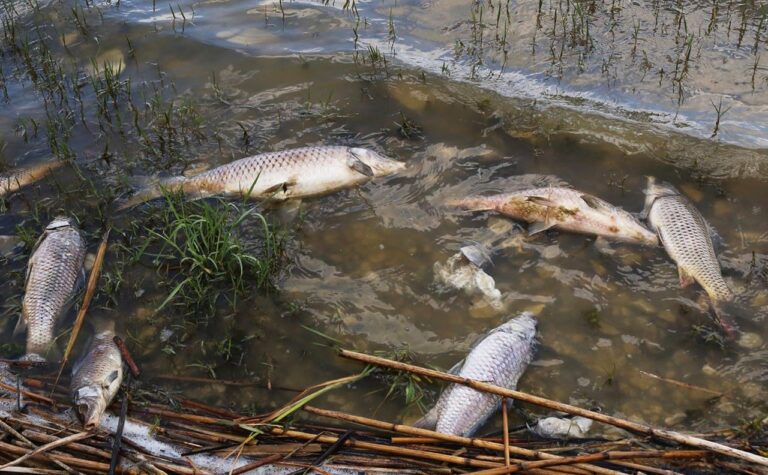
96, 378
563, 428
289, 174
687, 239
565, 209
500, 358
54, 276
464, 271
26, 176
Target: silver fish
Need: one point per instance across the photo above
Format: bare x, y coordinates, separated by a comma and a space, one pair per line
565, 209
687, 239
500, 358
20, 178
96, 378
296, 173
54, 276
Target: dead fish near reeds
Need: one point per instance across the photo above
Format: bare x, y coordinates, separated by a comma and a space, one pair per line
54, 276
500, 358
565, 209
563, 427
464, 271
14, 181
96, 378
687, 238
288, 174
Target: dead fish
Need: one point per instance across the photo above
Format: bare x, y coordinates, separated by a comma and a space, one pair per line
565, 209
289, 174
26, 176
96, 378
500, 358
54, 276
686, 237
464, 271
563, 427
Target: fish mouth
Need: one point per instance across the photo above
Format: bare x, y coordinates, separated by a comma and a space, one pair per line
90, 410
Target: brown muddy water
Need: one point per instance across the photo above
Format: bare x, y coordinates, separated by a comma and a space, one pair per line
200, 84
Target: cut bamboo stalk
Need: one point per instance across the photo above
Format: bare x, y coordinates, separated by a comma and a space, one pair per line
567, 408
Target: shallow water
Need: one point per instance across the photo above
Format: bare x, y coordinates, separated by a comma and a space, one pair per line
236, 77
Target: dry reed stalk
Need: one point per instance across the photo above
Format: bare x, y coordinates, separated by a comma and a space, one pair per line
90, 289
598, 457
466, 441
505, 428
567, 408
422, 454
49, 446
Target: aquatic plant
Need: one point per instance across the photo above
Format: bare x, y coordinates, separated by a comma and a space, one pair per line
201, 247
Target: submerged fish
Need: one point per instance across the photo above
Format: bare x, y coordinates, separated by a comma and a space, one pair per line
565, 209
464, 271
54, 276
26, 176
96, 378
563, 428
296, 173
687, 239
500, 358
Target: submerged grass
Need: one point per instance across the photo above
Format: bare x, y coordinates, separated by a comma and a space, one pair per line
201, 247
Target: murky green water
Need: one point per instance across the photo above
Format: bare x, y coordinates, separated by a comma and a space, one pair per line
214, 81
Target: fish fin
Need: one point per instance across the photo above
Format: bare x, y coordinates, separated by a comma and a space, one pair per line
429, 420
359, 166
476, 254
21, 327
456, 369
686, 279
541, 200
539, 226
472, 203
288, 210
723, 313
149, 188
282, 187
717, 239
603, 245
594, 202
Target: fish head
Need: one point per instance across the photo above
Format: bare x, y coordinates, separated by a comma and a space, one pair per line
656, 189
61, 222
380, 164
616, 223
524, 325
91, 400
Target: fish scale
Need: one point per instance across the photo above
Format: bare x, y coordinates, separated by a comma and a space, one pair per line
687, 239
500, 358
53, 274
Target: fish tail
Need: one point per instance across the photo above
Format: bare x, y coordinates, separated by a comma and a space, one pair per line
473, 203
152, 190
723, 311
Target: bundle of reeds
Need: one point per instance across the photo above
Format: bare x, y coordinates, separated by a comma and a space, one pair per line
39, 434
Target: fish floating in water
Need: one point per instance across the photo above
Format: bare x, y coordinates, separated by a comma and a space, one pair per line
500, 358
20, 178
54, 276
96, 378
288, 174
464, 271
687, 238
565, 209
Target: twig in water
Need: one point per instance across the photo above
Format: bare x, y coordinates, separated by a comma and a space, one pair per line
505, 427
44, 448
119, 433
93, 279
135, 371
680, 383
330, 451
